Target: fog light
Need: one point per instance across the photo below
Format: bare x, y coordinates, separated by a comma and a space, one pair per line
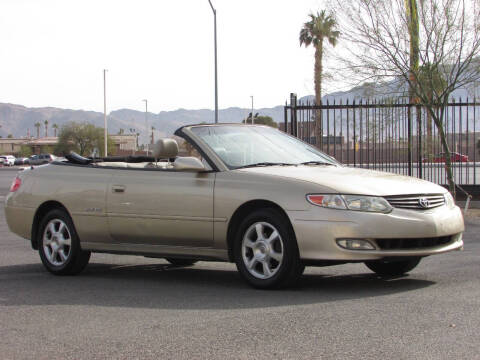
355, 244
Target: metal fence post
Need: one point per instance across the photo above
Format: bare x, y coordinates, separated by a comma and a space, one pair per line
409, 136
419, 147
293, 114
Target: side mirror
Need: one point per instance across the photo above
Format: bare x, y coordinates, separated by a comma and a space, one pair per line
188, 164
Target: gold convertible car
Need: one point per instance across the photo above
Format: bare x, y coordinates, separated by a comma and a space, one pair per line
248, 194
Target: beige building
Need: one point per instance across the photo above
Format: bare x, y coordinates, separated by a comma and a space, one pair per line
125, 142
13, 146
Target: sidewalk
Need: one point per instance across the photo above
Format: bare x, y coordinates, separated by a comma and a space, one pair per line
473, 213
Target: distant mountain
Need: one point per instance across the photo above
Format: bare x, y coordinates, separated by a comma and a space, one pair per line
16, 119
392, 89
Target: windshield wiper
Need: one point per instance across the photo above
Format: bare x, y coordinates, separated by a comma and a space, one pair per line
316, 162
263, 164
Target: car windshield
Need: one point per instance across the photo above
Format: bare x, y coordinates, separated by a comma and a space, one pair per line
245, 146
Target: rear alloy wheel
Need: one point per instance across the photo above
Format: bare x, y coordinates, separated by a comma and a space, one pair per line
57, 242
59, 246
266, 251
181, 262
393, 267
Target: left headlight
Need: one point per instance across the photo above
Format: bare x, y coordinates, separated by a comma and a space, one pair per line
351, 202
449, 200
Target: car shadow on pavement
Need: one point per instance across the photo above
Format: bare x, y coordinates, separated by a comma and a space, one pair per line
163, 286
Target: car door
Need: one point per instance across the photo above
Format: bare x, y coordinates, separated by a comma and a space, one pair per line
161, 207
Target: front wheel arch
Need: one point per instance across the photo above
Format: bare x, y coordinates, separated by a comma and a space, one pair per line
43, 210
243, 211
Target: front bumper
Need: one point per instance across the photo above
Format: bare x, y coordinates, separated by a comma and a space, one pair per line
318, 229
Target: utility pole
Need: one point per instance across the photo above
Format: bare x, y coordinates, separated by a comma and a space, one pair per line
105, 110
215, 46
146, 122
252, 108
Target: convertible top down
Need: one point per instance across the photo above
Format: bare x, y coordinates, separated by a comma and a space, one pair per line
247, 194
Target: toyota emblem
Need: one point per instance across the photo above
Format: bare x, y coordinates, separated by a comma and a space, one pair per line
423, 202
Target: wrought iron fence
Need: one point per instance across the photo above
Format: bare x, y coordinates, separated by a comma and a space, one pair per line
392, 135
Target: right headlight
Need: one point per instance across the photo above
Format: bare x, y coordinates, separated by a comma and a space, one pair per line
351, 202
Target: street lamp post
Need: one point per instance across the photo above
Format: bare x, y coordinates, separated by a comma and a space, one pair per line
215, 45
146, 121
105, 111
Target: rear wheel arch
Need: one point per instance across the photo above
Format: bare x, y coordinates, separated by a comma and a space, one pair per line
243, 211
43, 210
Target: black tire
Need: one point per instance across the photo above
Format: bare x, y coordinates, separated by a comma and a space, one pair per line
76, 259
289, 270
181, 262
393, 267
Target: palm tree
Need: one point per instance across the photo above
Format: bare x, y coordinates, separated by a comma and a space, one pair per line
55, 127
37, 125
322, 26
46, 127
152, 140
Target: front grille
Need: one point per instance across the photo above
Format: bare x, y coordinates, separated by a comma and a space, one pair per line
416, 202
413, 243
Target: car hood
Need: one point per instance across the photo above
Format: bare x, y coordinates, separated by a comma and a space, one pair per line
349, 180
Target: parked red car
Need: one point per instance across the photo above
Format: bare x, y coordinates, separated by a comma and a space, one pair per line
454, 157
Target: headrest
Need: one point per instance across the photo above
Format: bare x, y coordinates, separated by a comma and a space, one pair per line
165, 149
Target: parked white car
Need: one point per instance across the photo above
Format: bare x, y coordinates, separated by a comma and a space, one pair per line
9, 160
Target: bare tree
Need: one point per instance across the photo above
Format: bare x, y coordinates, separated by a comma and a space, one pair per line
377, 47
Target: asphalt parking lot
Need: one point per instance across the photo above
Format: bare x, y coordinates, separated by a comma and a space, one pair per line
128, 307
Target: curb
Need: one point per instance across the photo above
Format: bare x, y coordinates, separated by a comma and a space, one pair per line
11, 168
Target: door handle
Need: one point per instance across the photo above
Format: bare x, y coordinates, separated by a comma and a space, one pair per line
118, 189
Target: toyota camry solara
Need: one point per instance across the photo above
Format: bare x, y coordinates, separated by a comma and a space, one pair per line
247, 194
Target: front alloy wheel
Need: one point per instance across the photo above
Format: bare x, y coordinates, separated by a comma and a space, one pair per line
266, 251
262, 250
